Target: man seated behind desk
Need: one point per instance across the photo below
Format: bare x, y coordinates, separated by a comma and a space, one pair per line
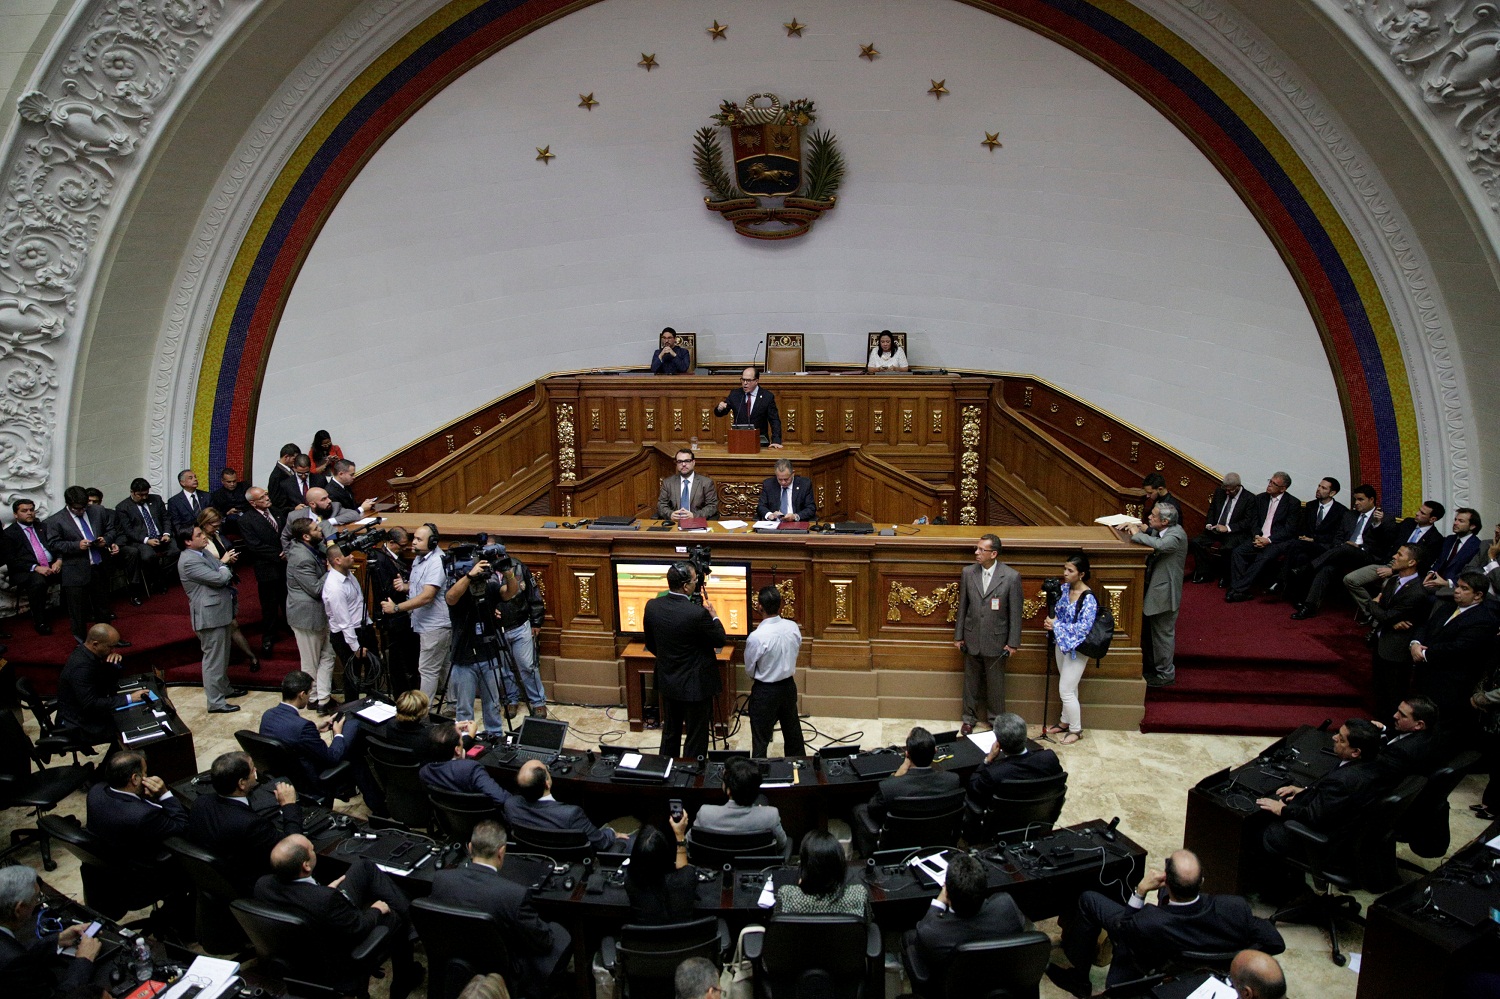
785, 496
915, 778
741, 815
1335, 802
30, 964
226, 824
962, 913
536, 946
132, 811
285, 722
671, 358
451, 770
687, 494
86, 697
1008, 760
535, 808
1413, 744
1146, 937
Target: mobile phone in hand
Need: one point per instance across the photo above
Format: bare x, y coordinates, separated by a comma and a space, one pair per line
675, 805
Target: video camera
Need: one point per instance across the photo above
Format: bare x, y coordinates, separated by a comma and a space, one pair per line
1052, 588
365, 542
466, 556
700, 557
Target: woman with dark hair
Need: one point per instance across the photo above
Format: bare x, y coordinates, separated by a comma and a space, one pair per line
886, 355
209, 520
324, 452
662, 888
820, 886
1070, 623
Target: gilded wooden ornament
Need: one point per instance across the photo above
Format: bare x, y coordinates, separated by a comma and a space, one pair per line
703, 424
624, 419
585, 591
594, 420
650, 419
1030, 608
937, 421
946, 595
938, 88
789, 422
817, 421
545, 154
991, 141
648, 62
1116, 594
448, 438
738, 500
788, 590
841, 600
567, 440
587, 102
848, 421
1135, 451
794, 28
879, 426
403, 501
1026, 398
676, 419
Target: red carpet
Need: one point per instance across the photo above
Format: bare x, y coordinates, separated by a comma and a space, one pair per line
161, 639
1249, 669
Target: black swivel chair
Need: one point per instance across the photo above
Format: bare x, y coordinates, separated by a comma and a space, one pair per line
290, 946
274, 757
395, 769
1008, 967
55, 739
217, 929
831, 957
461, 943
1365, 857
563, 845
456, 813
644, 959
39, 790
922, 821
1018, 809
114, 882
1425, 825
748, 850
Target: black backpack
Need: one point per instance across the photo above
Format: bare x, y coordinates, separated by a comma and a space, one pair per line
1096, 645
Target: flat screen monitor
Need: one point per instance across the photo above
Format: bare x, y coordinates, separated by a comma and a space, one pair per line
638, 580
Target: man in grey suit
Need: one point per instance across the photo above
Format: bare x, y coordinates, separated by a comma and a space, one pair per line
988, 629
742, 815
687, 494
305, 570
1164, 571
209, 586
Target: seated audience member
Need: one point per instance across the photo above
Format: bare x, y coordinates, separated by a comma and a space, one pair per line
143, 520
536, 947
285, 722
1276, 514
687, 494
1450, 652
671, 358
226, 824
346, 909
132, 811
662, 888
1334, 804
1366, 539
785, 496
1413, 744
1419, 531
820, 887
1227, 526
915, 778
86, 688
886, 355
741, 815
1323, 525
962, 913
451, 770
1009, 759
32, 965
535, 808
33, 569
697, 978
409, 729
183, 506
1396, 613
229, 499
1458, 552
1145, 937
1256, 975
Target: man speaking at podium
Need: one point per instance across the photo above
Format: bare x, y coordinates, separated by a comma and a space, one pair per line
786, 496
752, 404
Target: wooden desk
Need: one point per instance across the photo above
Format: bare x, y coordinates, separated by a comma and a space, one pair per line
640, 663
171, 755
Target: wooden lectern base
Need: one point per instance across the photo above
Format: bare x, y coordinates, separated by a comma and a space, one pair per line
744, 441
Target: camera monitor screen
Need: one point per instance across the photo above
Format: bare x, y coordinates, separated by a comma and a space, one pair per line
638, 580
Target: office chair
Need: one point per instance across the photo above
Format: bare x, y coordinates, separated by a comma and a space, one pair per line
55, 738
747, 850
919, 821
217, 929
461, 943
564, 845
829, 956
114, 881
395, 769
644, 959
39, 790
1425, 825
456, 813
1008, 967
290, 946
1017, 807
274, 757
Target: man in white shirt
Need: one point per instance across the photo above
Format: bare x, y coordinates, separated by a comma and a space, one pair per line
349, 624
771, 663
429, 615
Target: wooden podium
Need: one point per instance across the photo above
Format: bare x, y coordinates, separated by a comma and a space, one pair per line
640, 663
744, 441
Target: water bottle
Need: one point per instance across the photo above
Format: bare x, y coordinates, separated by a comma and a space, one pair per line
692, 444
140, 959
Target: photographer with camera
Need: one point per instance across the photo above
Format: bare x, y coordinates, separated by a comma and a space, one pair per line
685, 637
476, 600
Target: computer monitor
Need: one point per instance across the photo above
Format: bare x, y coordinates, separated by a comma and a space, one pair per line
637, 580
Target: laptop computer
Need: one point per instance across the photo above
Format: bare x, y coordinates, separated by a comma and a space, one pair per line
541, 739
775, 771
876, 766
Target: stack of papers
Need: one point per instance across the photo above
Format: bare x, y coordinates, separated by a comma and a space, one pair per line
212, 975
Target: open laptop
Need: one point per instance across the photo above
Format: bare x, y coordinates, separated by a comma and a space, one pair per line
541, 739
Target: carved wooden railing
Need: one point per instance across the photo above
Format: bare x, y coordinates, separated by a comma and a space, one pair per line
501, 470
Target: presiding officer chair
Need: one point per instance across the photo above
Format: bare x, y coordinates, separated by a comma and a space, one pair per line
1004, 968
784, 352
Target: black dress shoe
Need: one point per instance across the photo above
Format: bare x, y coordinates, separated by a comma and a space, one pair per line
327, 707
44, 629
226, 709
1304, 612
237, 692
1071, 980
108, 617
1236, 596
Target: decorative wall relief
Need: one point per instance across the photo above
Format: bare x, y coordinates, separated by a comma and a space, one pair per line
943, 596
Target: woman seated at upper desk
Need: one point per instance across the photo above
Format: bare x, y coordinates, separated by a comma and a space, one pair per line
887, 355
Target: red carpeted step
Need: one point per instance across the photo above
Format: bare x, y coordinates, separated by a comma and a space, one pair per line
1250, 685
1239, 719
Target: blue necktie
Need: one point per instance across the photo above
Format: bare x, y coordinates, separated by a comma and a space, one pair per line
686, 494
88, 535
151, 531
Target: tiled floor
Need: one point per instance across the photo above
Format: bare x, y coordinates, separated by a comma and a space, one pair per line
1144, 779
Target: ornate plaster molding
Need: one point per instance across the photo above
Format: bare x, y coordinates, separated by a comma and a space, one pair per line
85, 131
1347, 175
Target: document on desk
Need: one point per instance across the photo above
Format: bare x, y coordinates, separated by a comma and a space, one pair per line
935, 866
732, 525
211, 974
376, 712
1213, 989
1493, 844
984, 740
1117, 520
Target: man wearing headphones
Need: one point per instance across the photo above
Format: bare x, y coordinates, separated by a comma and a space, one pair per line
429, 615
684, 637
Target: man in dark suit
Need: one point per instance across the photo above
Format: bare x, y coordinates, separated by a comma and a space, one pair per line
147, 529
535, 808
230, 499
227, 822
986, 629
79, 536
33, 569
1334, 804
1009, 759
30, 965
1146, 937
962, 913
279, 473
1401, 606
1420, 532
346, 909
260, 540
86, 687
388, 571
340, 483
785, 496
1453, 649
184, 506
285, 722
1324, 521
1227, 526
1457, 552
536, 947
752, 404
1365, 534
451, 770
1412, 745
687, 494
1274, 522
295, 485
134, 812
685, 639
915, 778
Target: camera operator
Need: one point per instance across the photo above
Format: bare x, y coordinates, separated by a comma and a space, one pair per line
521, 618
389, 570
685, 639
474, 600
349, 624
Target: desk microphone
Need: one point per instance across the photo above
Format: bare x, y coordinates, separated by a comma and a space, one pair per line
757, 353
1109, 831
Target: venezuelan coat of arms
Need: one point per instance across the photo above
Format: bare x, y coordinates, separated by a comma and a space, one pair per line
782, 182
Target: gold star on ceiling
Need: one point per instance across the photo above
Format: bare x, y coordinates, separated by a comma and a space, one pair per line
648, 61
991, 141
794, 28
545, 154
717, 31
938, 88
587, 102
868, 52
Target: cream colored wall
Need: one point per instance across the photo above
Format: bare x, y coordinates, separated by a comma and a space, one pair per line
26, 28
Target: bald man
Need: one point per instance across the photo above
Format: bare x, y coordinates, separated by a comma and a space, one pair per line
86, 688
535, 808
1145, 936
1256, 975
325, 511
346, 909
